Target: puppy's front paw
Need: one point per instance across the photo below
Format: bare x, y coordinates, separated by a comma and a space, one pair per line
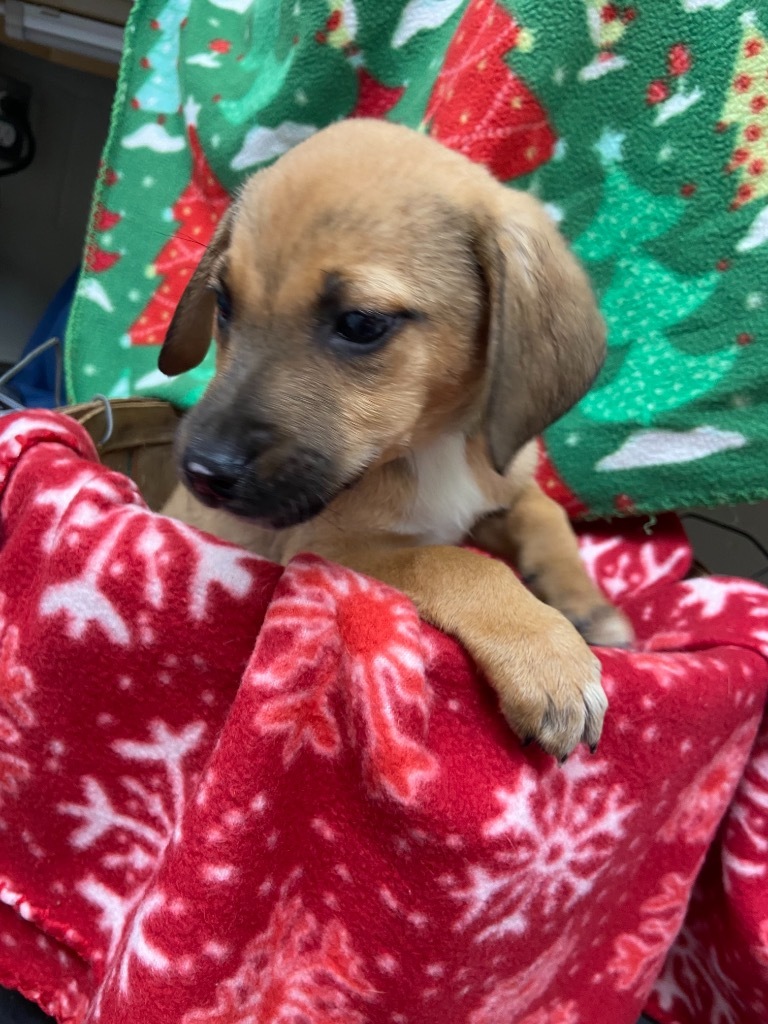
549, 688
604, 626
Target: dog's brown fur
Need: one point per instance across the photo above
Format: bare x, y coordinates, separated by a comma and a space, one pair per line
425, 441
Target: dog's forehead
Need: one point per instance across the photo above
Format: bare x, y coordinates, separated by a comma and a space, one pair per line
379, 246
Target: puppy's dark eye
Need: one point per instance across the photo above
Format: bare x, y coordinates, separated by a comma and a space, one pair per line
223, 306
364, 329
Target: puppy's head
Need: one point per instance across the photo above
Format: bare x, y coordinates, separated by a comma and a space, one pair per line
368, 292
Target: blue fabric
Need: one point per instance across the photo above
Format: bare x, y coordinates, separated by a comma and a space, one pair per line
35, 385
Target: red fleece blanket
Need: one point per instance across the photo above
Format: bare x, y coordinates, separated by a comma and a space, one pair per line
233, 793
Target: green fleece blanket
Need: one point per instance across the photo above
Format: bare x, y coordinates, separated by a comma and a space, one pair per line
643, 126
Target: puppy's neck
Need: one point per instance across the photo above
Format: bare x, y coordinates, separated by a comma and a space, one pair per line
443, 497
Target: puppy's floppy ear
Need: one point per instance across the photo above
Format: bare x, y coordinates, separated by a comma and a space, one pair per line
188, 337
546, 338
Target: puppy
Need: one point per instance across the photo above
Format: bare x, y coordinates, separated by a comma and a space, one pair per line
393, 328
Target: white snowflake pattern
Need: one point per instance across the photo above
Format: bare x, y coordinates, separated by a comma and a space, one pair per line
632, 572
745, 847
695, 978
563, 828
710, 597
141, 819
217, 565
83, 601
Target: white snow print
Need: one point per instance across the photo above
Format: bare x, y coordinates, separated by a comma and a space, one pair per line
638, 956
154, 137
511, 997
677, 104
699, 5
349, 17
204, 60
745, 847
419, 15
238, 6
601, 66
563, 829
93, 290
757, 234
701, 805
262, 144
647, 448
152, 379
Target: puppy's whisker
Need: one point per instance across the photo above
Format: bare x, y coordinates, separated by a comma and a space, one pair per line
174, 235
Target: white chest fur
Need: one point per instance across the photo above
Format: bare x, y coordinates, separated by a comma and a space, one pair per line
447, 500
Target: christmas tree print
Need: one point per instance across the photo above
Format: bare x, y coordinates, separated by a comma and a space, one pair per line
339, 32
645, 374
197, 211
160, 92
258, 77
97, 258
479, 106
746, 109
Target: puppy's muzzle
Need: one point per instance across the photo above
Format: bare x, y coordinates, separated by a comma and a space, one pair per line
232, 474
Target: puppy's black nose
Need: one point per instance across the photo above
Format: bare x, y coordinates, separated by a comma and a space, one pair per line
214, 466
213, 474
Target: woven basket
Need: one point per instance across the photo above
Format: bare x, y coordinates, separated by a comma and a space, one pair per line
140, 443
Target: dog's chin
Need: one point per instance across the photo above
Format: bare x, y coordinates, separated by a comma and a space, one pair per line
291, 510
280, 518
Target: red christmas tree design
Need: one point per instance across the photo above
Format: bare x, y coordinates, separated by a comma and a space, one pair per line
198, 210
553, 485
479, 106
374, 99
98, 259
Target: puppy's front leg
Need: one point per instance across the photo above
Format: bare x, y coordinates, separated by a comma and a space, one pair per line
547, 679
536, 536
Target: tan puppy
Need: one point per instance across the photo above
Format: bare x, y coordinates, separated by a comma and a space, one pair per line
393, 328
